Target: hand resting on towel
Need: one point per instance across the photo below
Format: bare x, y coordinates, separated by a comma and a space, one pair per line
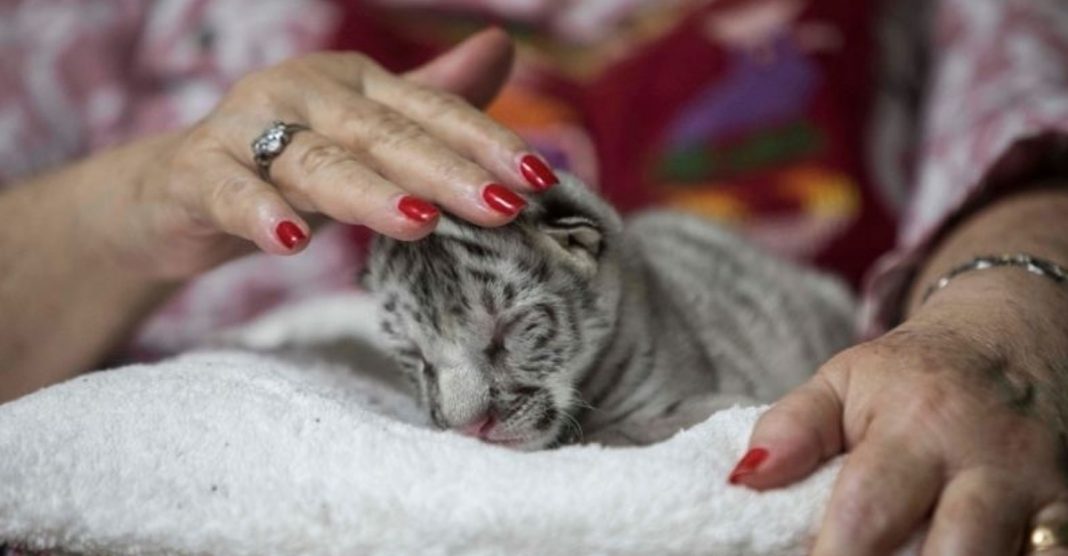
959, 413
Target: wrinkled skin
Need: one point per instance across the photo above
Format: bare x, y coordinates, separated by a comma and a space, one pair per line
958, 415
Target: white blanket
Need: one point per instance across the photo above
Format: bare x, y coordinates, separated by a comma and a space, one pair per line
288, 451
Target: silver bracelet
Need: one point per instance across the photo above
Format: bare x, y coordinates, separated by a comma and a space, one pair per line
1034, 265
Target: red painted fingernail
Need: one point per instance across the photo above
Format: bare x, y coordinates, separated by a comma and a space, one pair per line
537, 173
502, 199
748, 464
417, 209
289, 234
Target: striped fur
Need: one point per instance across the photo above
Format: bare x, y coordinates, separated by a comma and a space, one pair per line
567, 323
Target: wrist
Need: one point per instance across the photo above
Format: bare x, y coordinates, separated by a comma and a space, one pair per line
1018, 314
118, 207
1034, 265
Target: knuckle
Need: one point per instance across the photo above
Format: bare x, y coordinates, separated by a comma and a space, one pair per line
303, 70
254, 89
968, 507
855, 512
454, 169
847, 358
1055, 509
361, 189
446, 102
200, 134
351, 67
228, 191
355, 204
367, 68
792, 409
189, 155
347, 58
394, 123
939, 418
322, 158
936, 409
342, 188
841, 362
837, 369
509, 139
201, 137
439, 101
390, 130
1024, 443
184, 160
300, 63
930, 397
226, 199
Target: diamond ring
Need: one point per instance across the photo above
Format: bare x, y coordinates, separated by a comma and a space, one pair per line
271, 143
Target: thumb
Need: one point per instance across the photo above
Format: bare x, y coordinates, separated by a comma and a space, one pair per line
793, 437
474, 69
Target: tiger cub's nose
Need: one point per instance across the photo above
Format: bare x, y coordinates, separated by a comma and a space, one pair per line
480, 427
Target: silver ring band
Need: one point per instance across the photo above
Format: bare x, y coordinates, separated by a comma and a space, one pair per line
271, 143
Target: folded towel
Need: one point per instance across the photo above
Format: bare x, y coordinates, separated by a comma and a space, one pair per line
289, 451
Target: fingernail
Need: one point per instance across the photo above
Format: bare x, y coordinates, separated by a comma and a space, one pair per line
289, 234
502, 199
748, 464
417, 209
537, 173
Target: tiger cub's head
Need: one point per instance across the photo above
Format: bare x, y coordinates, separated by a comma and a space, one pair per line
495, 326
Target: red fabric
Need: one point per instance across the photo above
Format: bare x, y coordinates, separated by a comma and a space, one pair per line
628, 108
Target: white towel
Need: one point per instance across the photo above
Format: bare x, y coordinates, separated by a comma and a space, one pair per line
290, 452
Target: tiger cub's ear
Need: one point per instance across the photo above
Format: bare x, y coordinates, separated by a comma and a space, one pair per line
578, 235
577, 221
573, 227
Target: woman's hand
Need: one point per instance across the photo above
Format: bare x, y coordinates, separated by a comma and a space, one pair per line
381, 150
88, 249
957, 416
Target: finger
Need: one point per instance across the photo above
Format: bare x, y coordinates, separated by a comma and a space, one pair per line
475, 69
1048, 535
320, 175
239, 203
798, 433
883, 492
450, 118
980, 512
467, 130
405, 154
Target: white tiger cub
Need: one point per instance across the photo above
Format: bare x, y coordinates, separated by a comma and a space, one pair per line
571, 324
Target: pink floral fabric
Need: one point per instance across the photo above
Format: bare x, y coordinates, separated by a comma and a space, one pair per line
995, 115
82, 75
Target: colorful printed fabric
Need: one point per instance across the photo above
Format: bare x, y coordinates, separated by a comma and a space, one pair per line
754, 112
744, 111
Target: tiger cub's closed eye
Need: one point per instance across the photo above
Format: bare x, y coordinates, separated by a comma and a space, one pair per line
502, 333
